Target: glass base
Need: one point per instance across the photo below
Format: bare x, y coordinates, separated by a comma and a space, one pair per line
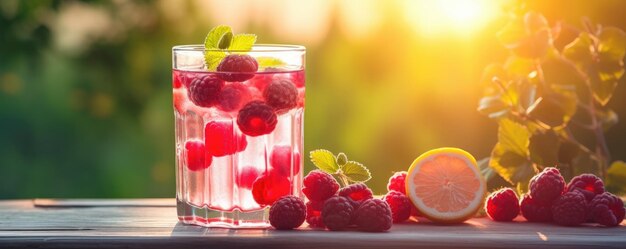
206, 217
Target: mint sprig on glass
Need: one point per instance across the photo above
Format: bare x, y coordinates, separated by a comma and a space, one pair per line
340, 167
221, 39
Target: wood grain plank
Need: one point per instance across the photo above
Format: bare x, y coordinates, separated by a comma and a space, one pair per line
22, 225
154, 202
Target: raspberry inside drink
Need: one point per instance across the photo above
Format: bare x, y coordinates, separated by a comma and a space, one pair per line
239, 142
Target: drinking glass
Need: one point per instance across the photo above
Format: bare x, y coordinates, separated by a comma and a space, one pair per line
239, 140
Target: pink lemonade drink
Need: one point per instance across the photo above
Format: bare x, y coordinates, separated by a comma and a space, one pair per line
239, 140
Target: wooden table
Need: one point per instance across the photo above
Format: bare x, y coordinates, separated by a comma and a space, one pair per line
152, 223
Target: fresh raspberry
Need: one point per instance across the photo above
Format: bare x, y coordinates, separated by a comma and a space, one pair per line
587, 184
220, 138
179, 97
281, 157
176, 79
397, 182
237, 67
314, 214
337, 213
269, 187
502, 205
298, 78
288, 212
281, 95
374, 215
262, 80
247, 176
197, 159
319, 185
570, 209
533, 211
181, 78
204, 91
400, 206
256, 118
607, 209
547, 186
414, 211
233, 96
356, 193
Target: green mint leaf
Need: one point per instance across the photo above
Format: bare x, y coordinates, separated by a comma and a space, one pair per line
325, 161
214, 38
219, 37
242, 42
342, 159
356, 172
225, 41
212, 58
265, 61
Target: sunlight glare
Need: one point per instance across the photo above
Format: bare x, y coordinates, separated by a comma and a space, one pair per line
462, 17
361, 19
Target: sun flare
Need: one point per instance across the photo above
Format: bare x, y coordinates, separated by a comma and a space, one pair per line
450, 16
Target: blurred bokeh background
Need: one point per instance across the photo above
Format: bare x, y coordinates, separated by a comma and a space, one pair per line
85, 86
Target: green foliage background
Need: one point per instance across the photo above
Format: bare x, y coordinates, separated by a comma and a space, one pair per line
94, 119
549, 101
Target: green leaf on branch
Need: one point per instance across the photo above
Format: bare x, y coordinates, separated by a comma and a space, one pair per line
601, 60
534, 46
518, 67
512, 167
608, 118
602, 89
579, 50
558, 71
526, 94
608, 68
485, 170
544, 148
512, 95
568, 152
522, 187
325, 161
356, 172
616, 177
527, 37
513, 137
612, 43
510, 156
538, 95
493, 71
493, 106
555, 109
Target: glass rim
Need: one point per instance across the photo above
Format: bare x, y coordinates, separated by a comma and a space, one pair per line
255, 48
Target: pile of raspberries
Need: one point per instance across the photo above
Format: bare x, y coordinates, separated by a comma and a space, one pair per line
549, 199
335, 208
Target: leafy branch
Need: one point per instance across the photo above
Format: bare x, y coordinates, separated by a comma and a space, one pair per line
544, 99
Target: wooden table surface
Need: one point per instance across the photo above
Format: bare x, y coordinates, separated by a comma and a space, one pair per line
152, 223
